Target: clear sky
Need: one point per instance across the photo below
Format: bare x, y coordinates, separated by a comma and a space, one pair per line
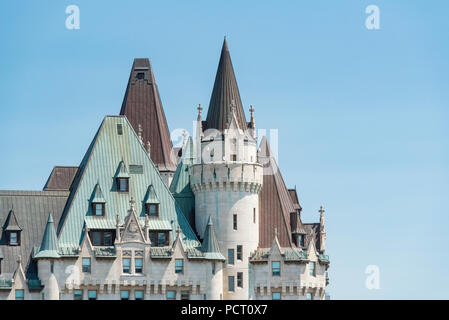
362, 114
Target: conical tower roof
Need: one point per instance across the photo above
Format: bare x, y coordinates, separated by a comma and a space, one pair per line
225, 95
142, 106
49, 246
210, 245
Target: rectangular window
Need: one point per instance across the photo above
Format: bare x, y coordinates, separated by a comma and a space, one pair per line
312, 269
13, 239
254, 215
171, 295
276, 268
126, 262
124, 295
239, 252
96, 238
138, 264
98, 209
19, 294
185, 295
92, 294
78, 295
86, 265
213, 267
276, 296
234, 157
230, 256
179, 266
138, 294
309, 296
159, 238
152, 209
231, 283
240, 279
107, 238
123, 184
234, 221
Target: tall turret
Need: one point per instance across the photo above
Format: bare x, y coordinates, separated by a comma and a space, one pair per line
226, 179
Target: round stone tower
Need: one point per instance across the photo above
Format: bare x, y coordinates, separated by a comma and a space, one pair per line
226, 178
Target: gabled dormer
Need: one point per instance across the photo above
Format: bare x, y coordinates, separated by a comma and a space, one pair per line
12, 230
151, 203
98, 203
122, 178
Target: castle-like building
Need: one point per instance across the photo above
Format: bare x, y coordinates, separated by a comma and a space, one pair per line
141, 220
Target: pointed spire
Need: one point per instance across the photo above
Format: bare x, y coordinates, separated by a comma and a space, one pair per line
49, 246
210, 242
12, 224
142, 105
225, 95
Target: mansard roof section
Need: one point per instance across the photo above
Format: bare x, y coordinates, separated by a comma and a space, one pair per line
31, 209
275, 201
60, 178
142, 106
225, 96
49, 246
108, 149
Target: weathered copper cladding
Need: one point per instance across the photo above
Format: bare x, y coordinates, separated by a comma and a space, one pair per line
142, 106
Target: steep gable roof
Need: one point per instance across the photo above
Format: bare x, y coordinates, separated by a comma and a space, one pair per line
275, 204
99, 165
11, 223
31, 209
225, 94
60, 178
180, 185
142, 105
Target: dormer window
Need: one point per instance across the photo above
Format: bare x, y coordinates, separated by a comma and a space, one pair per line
140, 75
123, 184
14, 238
152, 210
98, 209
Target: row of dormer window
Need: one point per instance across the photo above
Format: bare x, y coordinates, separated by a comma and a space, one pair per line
158, 238
99, 209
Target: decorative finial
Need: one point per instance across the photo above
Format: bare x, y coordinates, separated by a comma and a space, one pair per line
131, 203
139, 132
117, 219
149, 148
19, 259
321, 211
251, 110
200, 108
184, 138
178, 230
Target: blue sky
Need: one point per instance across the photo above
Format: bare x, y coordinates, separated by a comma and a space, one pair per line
362, 114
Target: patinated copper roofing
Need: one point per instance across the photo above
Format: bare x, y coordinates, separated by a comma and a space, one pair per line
275, 202
224, 95
60, 178
142, 106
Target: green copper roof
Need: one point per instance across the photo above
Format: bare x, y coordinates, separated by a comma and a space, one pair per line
97, 195
180, 185
49, 246
109, 148
151, 196
122, 172
210, 245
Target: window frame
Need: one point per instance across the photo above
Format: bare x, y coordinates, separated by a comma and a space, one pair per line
183, 292
275, 271
121, 294
309, 294
234, 222
148, 211
78, 297
94, 209
136, 267
231, 261
239, 252
139, 298
179, 269
86, 268
167, 295
231, 280
123, 265
239, 279
21, 297
276, 293
92, 298
102, 237
119, 189
312, 271
156, 237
